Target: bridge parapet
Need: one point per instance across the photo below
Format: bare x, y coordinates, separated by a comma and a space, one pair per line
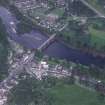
47, 42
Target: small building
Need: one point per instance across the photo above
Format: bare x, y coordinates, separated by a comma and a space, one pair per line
51, 18
60, 2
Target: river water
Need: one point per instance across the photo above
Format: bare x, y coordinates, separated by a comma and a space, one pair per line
57, 49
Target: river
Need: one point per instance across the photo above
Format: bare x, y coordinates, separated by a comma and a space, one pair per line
57, 49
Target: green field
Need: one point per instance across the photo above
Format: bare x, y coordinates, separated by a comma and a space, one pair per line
58, 11
39, 12
97, 37
74, 95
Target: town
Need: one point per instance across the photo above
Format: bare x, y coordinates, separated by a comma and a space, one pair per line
52, 50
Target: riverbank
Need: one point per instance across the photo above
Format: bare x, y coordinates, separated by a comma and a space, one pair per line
84, 50
35, 38
31, 23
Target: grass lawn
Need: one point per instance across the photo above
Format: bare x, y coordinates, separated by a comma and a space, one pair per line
97, 37
74, 95
39, 12
68, 33
58, 11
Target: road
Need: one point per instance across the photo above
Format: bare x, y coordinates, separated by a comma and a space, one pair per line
92, 8
47, 42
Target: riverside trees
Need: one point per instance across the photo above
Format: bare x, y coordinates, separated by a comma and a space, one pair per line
4, 48
29, 91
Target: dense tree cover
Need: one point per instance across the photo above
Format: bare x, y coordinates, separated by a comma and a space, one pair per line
98, 4
39, 55
49, 82
97, 31
4, 47
25, 24
87, 36
4, 2
76, 34
81, 36
97, 23
29, 91
23, 28
91, 71
77, 6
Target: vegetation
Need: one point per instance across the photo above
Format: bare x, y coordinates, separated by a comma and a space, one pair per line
74, 95
97, 32
39, 55
4, 2
89, 37
24, 26
52, 91
97, 39
76, 34
58, 11
4, 48
29, 91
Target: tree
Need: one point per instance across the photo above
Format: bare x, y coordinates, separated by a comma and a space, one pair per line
4, 2
49, 81
29, 90
4, 48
